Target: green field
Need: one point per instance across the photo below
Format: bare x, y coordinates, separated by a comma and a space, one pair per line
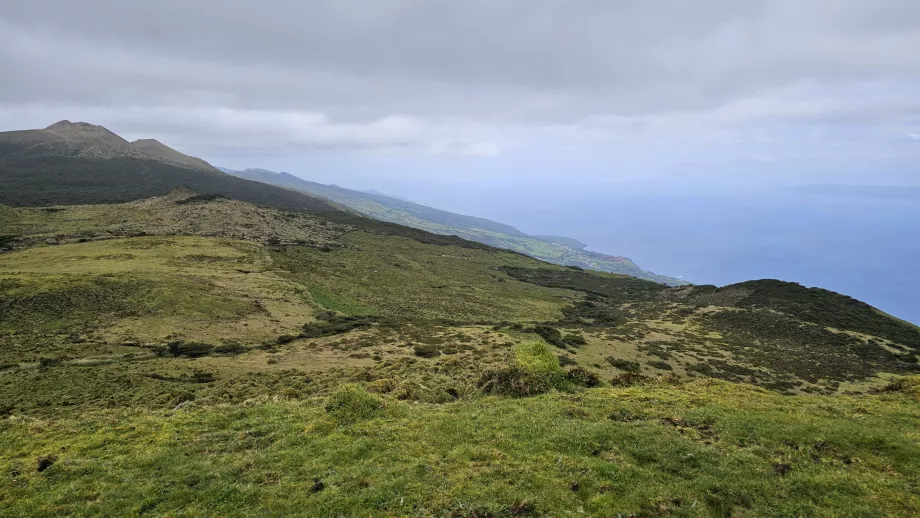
700, 449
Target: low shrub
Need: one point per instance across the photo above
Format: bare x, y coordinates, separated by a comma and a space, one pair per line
628, 379
189, 349
582, 377
285, 339
351, 403
575, 340
906, 384
550, 334
335, 325
623, 365
533, 369
381, 386
661, 364
426, 350
565, 361
232, 348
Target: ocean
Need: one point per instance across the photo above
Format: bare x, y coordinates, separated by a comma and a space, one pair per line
868, 248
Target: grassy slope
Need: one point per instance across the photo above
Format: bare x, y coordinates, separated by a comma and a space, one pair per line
168, 375
703, 449
415, 215
401, 278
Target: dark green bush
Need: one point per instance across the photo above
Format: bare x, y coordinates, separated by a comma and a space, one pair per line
628, 379
232, 348
583, 377
623, 365
660, 364
575, 340
550, 334
189, 349
426, 350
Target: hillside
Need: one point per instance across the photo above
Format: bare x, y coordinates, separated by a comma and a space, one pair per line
73, 163
554, 249
157, 149
203, 355
211, 345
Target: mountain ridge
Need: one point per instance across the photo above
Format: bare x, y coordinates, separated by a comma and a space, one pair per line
68, 163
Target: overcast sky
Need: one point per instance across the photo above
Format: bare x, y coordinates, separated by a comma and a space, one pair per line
386, 92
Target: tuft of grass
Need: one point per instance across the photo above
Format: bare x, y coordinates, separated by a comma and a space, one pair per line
532, 369
351, 403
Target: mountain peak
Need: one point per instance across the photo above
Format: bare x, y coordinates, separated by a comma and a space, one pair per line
83, 131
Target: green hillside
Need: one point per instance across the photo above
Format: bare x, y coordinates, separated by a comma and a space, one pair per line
195, 355
554, 249
198, 354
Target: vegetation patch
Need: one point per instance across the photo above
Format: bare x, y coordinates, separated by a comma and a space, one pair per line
352, 403
532, 369
624, 365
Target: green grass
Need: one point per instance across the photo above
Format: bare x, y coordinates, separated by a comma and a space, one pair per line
701, 449
402, 278
310, 369
78, 300
334, 303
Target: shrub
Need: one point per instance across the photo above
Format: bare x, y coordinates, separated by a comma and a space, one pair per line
190, 349
908, 385
335, 325
381, 386
565, 361
351, 403
575, 340
623, 365
661, 364
232, 348
285, 339
533, 369
583, 377
628, 379
550, 334
426, 351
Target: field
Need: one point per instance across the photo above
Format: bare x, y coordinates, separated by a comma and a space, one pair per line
700, 449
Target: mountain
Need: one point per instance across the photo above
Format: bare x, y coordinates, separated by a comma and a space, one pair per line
554, 249
78, 163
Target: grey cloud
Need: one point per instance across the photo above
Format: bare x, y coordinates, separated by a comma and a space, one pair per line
544, 57
468, 74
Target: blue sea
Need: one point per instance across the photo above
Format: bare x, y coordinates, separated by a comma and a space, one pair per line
868, 248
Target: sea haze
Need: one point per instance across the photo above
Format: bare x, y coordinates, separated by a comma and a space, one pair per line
850, 241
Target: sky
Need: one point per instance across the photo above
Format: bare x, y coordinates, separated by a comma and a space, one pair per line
428, 94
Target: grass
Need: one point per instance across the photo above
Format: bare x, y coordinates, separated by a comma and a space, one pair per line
699, 449
402, 278
78, 299
284, 365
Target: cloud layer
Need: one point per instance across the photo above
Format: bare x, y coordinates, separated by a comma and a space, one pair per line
772, 81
